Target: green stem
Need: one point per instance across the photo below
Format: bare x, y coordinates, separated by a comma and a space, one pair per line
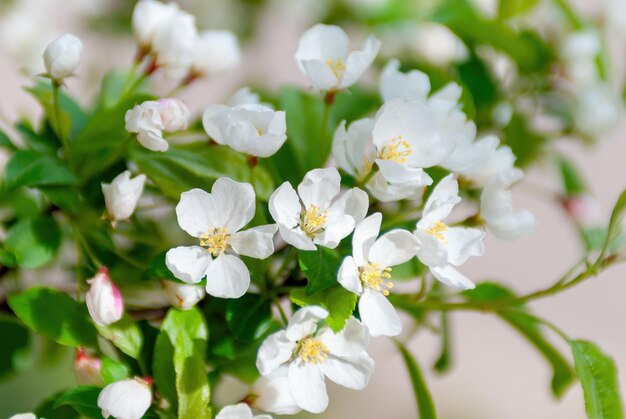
369, 176
283, 316
56, 105
329, 99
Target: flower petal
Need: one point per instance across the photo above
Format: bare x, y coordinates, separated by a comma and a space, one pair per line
188, 263
452, 277
304, 322
413, 85
271, 393
284, 206
152, 139
348, 276
359, 61
255, 242
378, 314
275, 350
235, 203
432, 252
440, 203
464, 243
319, 187
320, 74
349, 342
364, 237
237, 411
227, 277
338, 226
352, 373
296, 238
196, 212
211, 118
307, 385
401, 174
353, 202
394, 248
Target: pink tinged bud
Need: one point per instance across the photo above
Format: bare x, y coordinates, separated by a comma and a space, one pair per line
174, 114
585, 210
62, 55
104, 300
126, 399
87, 368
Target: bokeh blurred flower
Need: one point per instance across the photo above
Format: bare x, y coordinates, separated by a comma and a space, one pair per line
496, 208
87, 368
126, 399
148, 18
183, 296
239, 411
104, 300
215, 52
62, 56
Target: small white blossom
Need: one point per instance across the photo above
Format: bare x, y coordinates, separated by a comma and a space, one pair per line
239, 411
441, 246
174, 114
174, 43
149, 119
87, 368
271, 393
215, 220
493, 160
313, 353
148, 18
126, 399
367, 272
315, 215
580, 51
598, 110
104, 300
24, 416
122, 194
323, 55
411, 86
256, 130
183, 296
215, 52
244, 96
61, 56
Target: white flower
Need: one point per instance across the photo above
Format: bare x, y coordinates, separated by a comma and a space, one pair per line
271, 393
174, 114
104, 300
183, 296
314, 215
23, 416
149, 119
312, 354
244, 96
411, 86
256, 130
148, 17
87, 368
215, 220
239, 411
367, 272
175, 41
580, 51
215, 52
61, 56
598, 110
492, 161
441, 246
323, 56
496, 208
126, 399
122, 194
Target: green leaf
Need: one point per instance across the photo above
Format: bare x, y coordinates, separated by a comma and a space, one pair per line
16, 341
5, 141
510, 8
192, 385
83, 399
443, 362
113, 370
125, 334
573, 183
45, 141
320, 268
475, 76
111, 89
598, 377
615, 224
425, 405
249, 317
55, 315
34, 242
525, 143
46, 409
562, 372
339, 302
32, 168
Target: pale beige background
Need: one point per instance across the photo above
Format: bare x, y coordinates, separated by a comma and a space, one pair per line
496, 374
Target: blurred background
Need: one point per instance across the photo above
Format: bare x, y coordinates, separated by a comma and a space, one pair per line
495, 373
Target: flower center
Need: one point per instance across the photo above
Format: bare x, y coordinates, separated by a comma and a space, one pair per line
396, 150
312, 350
337, 67
215, 240
313, 220
437, 230
374, 276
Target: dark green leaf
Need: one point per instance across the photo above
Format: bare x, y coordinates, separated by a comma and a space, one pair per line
475, 76
113, 371
525, 143
83, 399
125, 334
46, 409
55, 315
16, 341
425, 405
443, 362
320, 268
339, 302
34, 242
45, 141
573, 183
598, 377
5, 141
32, 168
249, 317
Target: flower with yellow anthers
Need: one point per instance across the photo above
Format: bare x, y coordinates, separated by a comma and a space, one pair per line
442, 247
215, 220
310, 353
368, 272
316, 214
323, 56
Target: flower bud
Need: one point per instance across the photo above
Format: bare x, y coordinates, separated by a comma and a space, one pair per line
87, 368
585, 210
148, 17
216, 51
126, 399
122, 194
174, 114
183, 296
175, 41
104, 300
23, 416
62, 55
272, 394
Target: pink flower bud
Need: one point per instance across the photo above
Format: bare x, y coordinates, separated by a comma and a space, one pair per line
87, 368
104, 300
584, 210
174, 114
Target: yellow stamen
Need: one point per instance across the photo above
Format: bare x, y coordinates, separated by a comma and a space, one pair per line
312, 350
313, 220
375, 277
396, 150
215, 240
437, 230
337, 67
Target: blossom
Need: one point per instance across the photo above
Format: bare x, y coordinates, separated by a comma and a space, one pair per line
244, 96
174, 114
411, 86
215, 220
215, 52
312, 354
183, 296
61, 56
87, 368
122, 194
149, 119
367, 272
239, 411
580, 51
175, 41
441, 246
271, 393
315, 214
253, 129
598, 109
148, 17
126, 399
494, 160
24, 416
322, 55
103, 299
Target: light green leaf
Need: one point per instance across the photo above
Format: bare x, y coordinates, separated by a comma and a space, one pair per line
112, 370
249, 317
16, 341
510, 8
615, 224
125, 334
192, 384
83, 399
55, 315
5, 141
339, 302
34, 242
425, 405
598, 377
573, 183
320, 268
32, 168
